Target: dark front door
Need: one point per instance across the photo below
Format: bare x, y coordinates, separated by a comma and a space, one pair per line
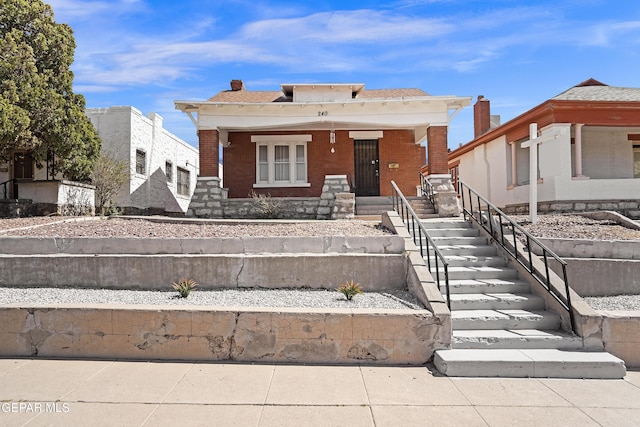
367, 170
22, 169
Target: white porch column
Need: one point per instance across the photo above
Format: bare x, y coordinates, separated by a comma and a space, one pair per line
514, 165
578, 151
532, 144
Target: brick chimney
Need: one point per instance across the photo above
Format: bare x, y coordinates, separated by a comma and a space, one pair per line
481, 116
237, 85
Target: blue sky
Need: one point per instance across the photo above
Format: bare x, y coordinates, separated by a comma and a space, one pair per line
148, 53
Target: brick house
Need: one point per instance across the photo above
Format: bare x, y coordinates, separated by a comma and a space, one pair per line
285, 143
589, 157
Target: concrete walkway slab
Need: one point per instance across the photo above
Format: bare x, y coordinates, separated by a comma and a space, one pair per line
136, 382
320, 416
317, 385
100, 414
409, 386
507, 392
535, 417
172, 415
223, 384
597, 393
192, 394
427, 416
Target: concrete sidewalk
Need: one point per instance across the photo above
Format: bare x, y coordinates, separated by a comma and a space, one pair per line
82, 392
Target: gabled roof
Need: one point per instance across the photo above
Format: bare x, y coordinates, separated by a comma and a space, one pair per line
278, 96
593, 90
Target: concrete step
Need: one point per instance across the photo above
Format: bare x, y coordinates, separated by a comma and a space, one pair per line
458, 240
504, 319
515, 339
477, 250
453, 232
373, 209
446, 223
472, 260
479, 273
488, 286
497, 301
528, 363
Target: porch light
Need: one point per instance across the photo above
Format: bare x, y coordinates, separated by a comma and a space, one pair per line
332, 139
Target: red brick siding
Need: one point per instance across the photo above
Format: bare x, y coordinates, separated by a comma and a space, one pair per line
481, 116
438, 150
208, 148
397, 146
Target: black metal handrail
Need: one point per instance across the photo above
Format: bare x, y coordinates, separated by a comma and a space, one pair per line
421, 238
4, 187
484, 213
426, 188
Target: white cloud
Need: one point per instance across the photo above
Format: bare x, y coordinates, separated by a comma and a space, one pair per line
325, 42
74, 9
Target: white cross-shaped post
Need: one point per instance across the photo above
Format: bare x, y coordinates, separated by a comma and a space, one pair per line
532, 144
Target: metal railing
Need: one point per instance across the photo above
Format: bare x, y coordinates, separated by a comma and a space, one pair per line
494, 221
422, 239
4, 188
427, 189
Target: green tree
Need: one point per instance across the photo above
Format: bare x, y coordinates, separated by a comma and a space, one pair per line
38, 109
108, 176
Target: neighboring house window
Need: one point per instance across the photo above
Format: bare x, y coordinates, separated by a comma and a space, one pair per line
281, 160
636, 161
183, 178
141, 162
168, 170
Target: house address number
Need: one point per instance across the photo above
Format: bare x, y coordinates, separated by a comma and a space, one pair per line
323, 113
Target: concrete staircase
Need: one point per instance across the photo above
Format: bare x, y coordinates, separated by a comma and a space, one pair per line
501, 329
372, 207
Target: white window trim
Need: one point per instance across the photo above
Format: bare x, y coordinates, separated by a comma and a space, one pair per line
270, 141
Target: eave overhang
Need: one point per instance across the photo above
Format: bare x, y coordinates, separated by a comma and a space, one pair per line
590, 113
415, 113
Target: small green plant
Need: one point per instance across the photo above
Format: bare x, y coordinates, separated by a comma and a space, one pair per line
350, 289
184, 287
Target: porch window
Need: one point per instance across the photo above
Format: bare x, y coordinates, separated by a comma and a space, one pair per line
183, 177
636, 161
281, 161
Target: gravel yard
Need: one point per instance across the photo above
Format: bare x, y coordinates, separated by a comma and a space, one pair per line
306, 298
119, 227
576, 227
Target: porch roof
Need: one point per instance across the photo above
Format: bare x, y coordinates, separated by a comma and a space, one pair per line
242, 110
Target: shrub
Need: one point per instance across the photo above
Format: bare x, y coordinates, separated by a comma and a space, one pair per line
265, 205
184, 287
350, 289
109, 176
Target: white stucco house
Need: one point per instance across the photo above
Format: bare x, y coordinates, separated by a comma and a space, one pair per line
163, 168
587, 148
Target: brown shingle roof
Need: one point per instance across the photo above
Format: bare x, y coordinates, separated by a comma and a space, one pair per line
248, 96
277, 96
593, 90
